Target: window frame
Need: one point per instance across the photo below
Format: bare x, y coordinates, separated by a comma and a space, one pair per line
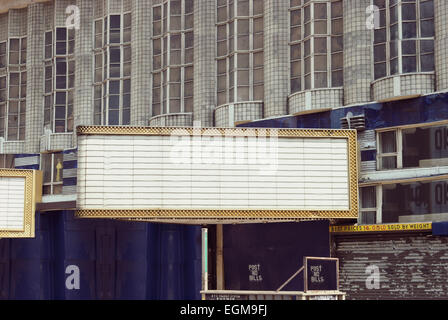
20, 100
4, 105
398, 153
254, 88
308, 74
400, 40
377, 209
51, 121
162, 84
4, 55
379, 196
399, 141
7, 158
52, 182
102, 51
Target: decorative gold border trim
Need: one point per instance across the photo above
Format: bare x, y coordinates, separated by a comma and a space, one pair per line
33, 194
237, 215
239, 132
214, 214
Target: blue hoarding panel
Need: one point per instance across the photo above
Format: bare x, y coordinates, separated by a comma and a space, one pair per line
131, 258
4, 268
262, 257
193, 262
171, 263
116, 260
30, 265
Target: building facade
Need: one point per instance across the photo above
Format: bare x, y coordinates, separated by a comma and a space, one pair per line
220, 63
213, 63
379, 66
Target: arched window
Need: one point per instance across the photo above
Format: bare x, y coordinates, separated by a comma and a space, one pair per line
59, 80
13, 88
316, 44
240, 59
173, 40
112, 89
404, 42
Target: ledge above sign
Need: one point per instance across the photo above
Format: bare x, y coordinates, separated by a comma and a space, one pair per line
214, 175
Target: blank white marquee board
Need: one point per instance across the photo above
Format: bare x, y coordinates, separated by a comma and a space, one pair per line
215, 173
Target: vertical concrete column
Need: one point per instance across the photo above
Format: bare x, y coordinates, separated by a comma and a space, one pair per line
276, 58
441, 44
35, 71
83, 99
141, 80
204, 99
358, 58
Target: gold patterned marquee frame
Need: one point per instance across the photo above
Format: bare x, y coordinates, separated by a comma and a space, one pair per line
33, 194
203, 216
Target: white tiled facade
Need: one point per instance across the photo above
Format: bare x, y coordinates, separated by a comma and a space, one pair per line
239, 61
403, 85
229, 115
315, 99
141, 78
276, 64
357, 52
172, 120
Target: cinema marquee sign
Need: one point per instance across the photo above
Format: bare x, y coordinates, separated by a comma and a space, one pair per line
194, 175
20, 190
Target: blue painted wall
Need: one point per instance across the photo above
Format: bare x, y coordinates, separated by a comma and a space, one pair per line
378, 115
117, 260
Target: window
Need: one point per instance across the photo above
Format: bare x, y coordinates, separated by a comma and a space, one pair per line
368, 212
112, 73
414, 202
420, 200
388, 156
14, 51
404, 43
48, 74
173, 41
52, 165
425, 146
415, 147
100, 73
59, 77
240, 30
3, 54
13, 88
7, 161
316, 44
3, 105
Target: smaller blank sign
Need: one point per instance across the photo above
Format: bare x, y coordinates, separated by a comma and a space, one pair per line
20, 190
12, 205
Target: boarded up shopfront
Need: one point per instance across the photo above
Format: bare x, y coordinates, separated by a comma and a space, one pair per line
411, 264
